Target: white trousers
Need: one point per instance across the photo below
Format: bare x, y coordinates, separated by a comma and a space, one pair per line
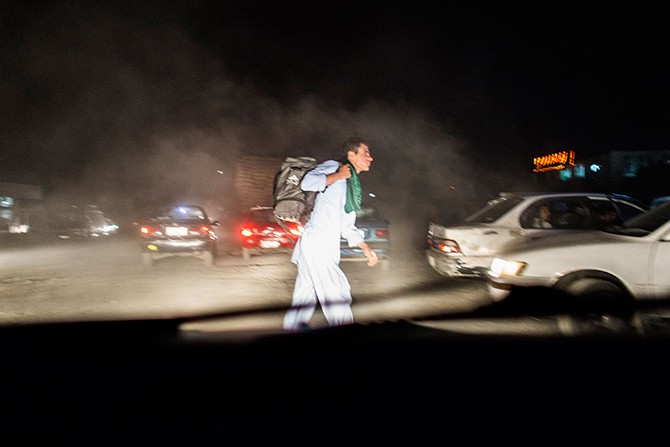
322, 282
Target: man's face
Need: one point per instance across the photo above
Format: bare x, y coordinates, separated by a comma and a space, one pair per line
361, 159
544, 213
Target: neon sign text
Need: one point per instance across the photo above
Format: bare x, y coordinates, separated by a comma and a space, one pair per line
555, 161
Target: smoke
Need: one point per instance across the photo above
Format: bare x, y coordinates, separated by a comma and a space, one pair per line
127, 115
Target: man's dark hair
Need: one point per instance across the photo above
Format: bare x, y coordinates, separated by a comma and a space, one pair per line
352, 144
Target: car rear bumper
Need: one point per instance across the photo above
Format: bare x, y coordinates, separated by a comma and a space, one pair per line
268, 244
458, 266
177, 245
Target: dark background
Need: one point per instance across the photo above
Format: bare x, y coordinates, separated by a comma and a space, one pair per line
131, 103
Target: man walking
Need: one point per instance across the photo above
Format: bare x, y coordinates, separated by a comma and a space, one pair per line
317, 251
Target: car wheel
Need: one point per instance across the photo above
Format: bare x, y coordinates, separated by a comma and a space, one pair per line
208, 257
598, 295
246, 254
147, 260
593, 287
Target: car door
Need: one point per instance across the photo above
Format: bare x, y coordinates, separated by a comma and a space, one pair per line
660, 266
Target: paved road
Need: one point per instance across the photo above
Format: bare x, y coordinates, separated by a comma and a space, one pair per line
69, 280
105, 280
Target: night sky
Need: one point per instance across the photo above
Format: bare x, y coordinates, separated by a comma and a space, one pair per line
131, 103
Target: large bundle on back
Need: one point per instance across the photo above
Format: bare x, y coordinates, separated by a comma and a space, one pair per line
291, 203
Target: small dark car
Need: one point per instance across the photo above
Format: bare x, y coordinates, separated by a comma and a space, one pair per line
177, 231
75, 222
259, 232
374, 228
88, 222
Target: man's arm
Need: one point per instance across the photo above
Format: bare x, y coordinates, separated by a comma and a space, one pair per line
323, 175
343, 172
369, 253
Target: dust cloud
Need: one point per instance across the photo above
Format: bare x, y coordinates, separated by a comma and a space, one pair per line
128, 115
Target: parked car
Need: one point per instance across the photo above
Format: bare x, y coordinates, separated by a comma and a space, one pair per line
76, 222
94, 224
182, 230
629, 261
259, 232
466, 250
374, 227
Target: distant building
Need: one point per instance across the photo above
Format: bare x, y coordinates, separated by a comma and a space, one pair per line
17, 200
641, 174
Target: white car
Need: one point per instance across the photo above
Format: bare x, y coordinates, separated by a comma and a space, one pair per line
629, 261
467, 250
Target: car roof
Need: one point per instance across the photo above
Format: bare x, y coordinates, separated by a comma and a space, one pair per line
527, 194
658, 200
561, 194
170, 208
181, 205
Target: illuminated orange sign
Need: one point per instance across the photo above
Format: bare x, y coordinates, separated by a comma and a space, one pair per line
555, 161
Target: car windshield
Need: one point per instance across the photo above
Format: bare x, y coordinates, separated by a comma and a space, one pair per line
132, 174
645, 223
117, 205
180, 213
140, 145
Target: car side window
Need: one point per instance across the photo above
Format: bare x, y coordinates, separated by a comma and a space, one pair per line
536, 216
575, 214
604, 213
626, 210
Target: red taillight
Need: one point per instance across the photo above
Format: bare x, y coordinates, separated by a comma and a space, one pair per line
381, 233
205, 229
247, 229
148, 230
448, 247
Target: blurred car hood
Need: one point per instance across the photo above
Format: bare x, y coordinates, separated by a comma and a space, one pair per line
557, 240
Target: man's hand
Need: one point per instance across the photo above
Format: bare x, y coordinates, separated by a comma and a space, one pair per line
344, 171
369, 253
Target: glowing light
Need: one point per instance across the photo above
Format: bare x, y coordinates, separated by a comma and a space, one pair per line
501, 267
555, 161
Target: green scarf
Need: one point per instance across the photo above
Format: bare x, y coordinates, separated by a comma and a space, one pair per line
353, 191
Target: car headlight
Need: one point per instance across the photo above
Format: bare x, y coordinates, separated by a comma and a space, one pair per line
502, 267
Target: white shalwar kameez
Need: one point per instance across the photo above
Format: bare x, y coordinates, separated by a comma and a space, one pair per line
317, 253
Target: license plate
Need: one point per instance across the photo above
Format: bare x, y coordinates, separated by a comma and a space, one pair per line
269, 244
176, 231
